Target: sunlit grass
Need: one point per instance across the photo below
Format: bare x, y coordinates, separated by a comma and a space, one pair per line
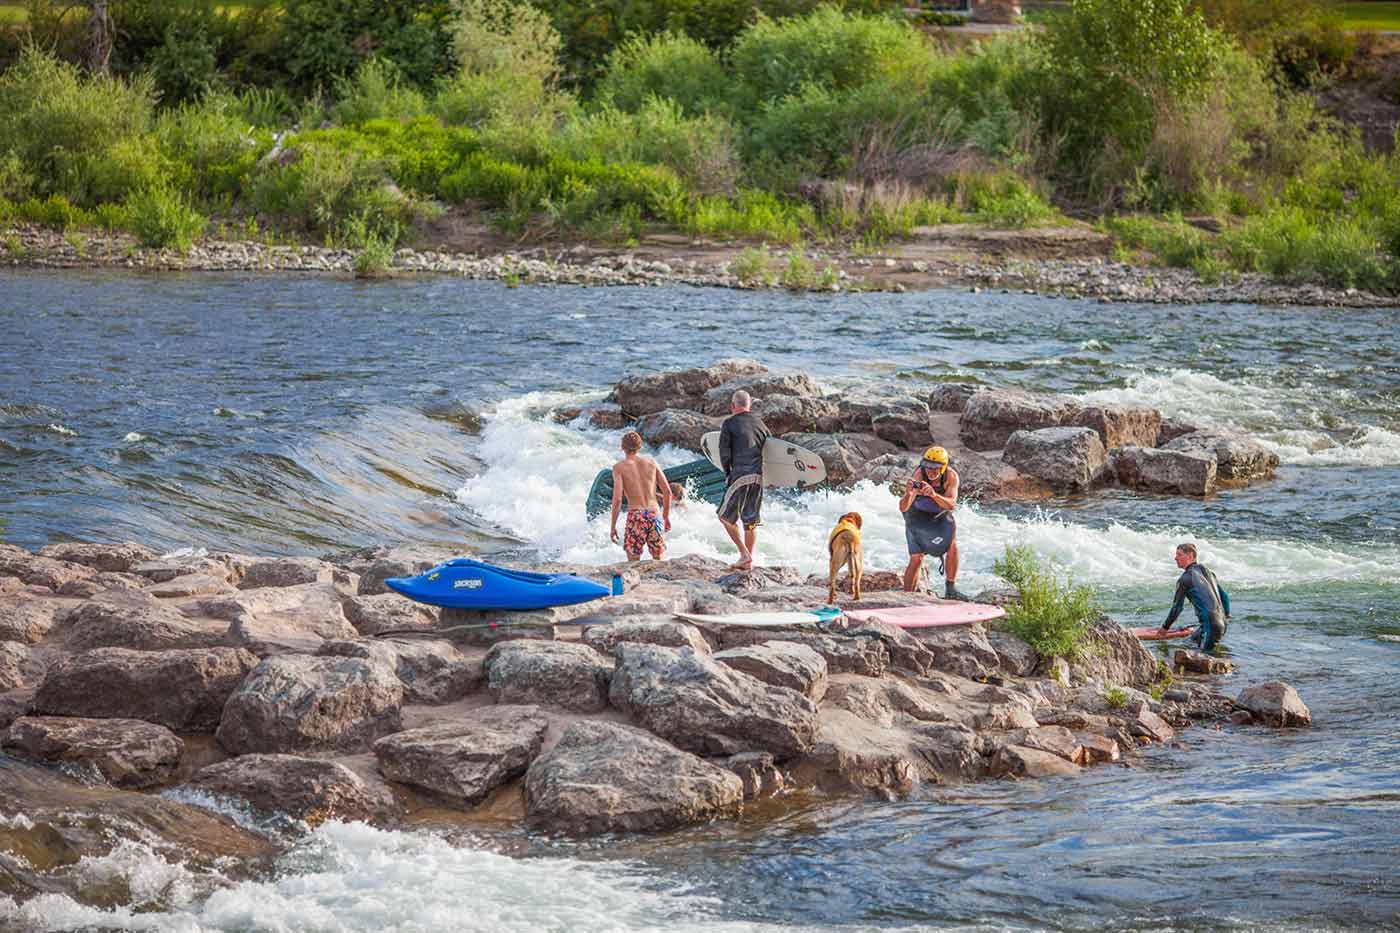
1382, 16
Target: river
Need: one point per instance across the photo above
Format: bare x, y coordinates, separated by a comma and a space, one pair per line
307, 415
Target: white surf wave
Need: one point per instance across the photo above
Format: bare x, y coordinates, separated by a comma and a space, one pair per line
537, 475
1302, 424
353, 877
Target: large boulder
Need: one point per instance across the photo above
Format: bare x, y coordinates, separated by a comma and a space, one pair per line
27, 618
962, 650
1019, 761
19, 666
904, 424
382, 612
1238, 459
858, 406
286, 571
680, 428
842, 454
298, 703
671, 634
602, 777
867, 655
991, 417
35, 570
989, 479
1114, 656
1066, 458
781, 664
187, 585
1174, 472
953, 396
549, 673
111, 558
466, 759
854, 755
1275, 703
303, 788
1171, 429
126, 752
703, 706
1120, 425
431, 671
274, 620
643, 395
787, 413
184, 690
134, 619
381, 564
761, 388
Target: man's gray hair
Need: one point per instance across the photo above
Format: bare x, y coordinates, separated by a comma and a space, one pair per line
740, 399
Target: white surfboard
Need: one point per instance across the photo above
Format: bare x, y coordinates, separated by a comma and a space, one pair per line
784, 463
759, 618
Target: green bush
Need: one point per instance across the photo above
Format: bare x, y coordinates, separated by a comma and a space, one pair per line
214, 146
81, 137
672, 67
54, 211
1052, 615
377, 91
751, 214
700, 150
320, 186
16, 181
1287, 243
161, 218
1108, 68
1003, 200
184, 66
321, 41
827, 48
1173, 241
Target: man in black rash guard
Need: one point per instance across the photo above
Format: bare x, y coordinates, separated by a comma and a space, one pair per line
1208, 598
741, 440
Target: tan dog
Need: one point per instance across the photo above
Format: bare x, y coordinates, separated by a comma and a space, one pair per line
844, 547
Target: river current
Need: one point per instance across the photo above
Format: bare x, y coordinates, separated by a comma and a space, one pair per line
308, 415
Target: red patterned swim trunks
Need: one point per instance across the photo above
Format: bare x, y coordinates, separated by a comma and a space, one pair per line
643, 531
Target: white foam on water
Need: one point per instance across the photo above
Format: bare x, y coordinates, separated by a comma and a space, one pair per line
60, 429
18, 821
134, 437
537, 476
353, 877
1302, 424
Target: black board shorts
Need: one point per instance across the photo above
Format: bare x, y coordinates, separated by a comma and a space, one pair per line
743, 501
929, 533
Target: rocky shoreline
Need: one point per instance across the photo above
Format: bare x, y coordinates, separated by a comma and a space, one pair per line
302, 687
975, 259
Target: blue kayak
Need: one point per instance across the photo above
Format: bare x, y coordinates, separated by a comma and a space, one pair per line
470, 584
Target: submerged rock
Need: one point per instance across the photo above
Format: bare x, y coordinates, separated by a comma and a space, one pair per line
1276, 704
602, 777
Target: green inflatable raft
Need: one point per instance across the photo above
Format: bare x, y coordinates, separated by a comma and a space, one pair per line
699, 477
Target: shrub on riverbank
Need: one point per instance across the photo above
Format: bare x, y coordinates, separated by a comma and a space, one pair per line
1052, 614
822, 127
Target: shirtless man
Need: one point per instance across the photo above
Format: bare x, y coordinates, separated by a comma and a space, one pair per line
639, 479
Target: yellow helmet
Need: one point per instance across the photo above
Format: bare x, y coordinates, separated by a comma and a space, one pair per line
937, 455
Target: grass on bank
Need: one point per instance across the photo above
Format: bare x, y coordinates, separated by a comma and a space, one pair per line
1053, 614
1380, 15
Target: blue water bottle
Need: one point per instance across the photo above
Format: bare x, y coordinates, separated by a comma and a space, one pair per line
617, 584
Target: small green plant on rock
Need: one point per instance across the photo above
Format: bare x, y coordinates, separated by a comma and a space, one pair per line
14, 246
161, 218
1053, 615
1115, 697
799, 273
375, 260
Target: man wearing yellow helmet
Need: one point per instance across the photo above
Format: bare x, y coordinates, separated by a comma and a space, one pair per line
929, 528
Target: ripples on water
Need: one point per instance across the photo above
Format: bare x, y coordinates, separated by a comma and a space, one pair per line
303, 415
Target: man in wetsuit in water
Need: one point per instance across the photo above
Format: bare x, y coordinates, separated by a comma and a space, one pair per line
929, 528
1208, 598
741, 440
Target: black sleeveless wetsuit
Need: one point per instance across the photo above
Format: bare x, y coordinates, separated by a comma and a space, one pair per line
928, 527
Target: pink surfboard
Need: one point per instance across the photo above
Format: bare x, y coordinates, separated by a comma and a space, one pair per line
947, 613
1155, 633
